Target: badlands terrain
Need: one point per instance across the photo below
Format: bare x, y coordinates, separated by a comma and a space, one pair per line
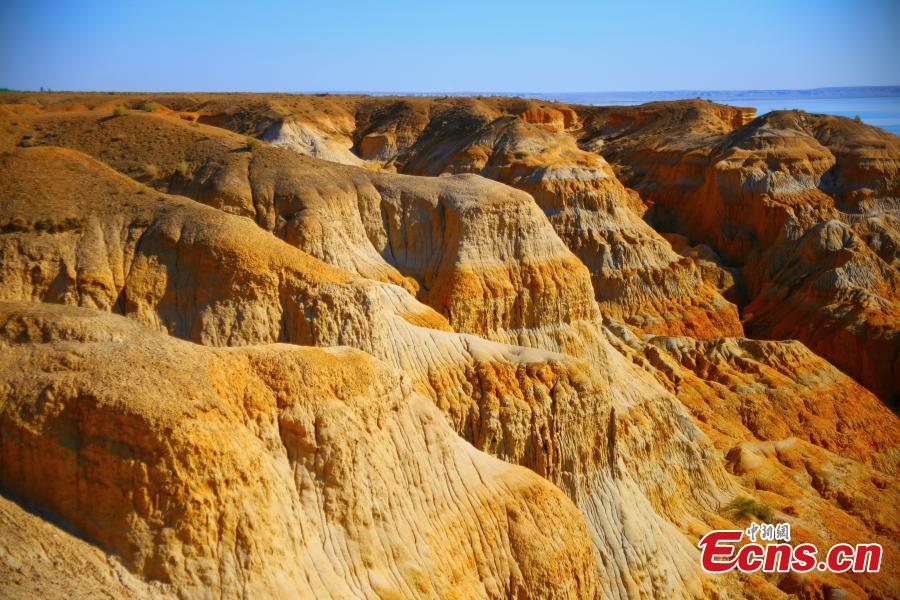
383, 347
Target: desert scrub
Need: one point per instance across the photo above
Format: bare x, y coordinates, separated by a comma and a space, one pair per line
57, 225
182, 169
148, 106
18, 225
745, 508
252, 143
120, 111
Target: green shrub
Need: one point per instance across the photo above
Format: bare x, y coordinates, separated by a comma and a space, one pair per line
148, 106
745, 508
120, 111
252, 142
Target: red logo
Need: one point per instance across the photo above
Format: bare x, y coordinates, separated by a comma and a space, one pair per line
720, 552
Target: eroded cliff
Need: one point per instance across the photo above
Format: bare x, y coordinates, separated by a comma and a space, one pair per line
524, 317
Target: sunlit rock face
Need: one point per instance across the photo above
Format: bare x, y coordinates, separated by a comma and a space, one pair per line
270, 469
567, 418
485, 375
806, 205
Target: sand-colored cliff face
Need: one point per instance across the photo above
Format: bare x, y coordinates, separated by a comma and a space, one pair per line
569, 420
805, 204
41, 560
458, 293
269, 470
812, 443
635, 274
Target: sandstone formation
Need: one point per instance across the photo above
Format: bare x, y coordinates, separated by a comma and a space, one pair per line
269, 470
41, 560
809, 441
635, 273
536, 318
233, 284
805, 204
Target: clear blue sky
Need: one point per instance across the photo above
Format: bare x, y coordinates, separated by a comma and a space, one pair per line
449, 46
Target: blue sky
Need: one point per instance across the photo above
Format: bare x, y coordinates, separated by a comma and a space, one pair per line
451, 46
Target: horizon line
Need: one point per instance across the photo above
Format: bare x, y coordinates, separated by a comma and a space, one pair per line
893, 87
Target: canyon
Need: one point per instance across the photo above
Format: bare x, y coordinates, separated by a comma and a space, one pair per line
268, 345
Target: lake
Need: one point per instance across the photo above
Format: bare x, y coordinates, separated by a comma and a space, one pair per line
881, 111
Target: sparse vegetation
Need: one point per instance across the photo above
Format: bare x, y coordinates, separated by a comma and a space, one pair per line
42, 225
746, 508
120, 111
857, 119
182, 168
252, 143
148, 106
16, 224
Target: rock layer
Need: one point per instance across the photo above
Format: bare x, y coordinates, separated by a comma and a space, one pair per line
234, 284
805, 204
472, 309
269, 469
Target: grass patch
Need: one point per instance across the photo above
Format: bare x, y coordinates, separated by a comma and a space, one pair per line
120, 111
745, 508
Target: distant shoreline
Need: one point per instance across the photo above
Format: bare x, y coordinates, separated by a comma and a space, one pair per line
882, 91
809, 94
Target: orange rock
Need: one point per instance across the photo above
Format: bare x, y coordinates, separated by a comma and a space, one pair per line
521, 323
801, 202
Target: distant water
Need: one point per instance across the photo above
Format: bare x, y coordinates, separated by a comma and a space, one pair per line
881, 112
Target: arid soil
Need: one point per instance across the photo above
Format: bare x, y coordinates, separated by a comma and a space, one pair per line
386, 347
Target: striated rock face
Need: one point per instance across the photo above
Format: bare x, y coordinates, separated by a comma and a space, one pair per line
269, 470
634, 272
568, 420
455, 317
805, 204
556, 119
748, 389
831, 288
816, 446
40, 560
